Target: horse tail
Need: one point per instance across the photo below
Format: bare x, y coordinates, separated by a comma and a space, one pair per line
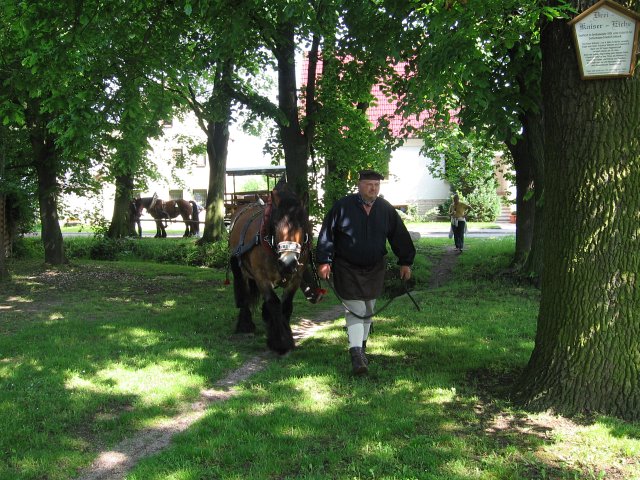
195, 217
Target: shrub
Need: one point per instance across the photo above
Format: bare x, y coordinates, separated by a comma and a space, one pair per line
177, 251
103, 249
485, 204
169, 250
28, 247
78, 247
215, 255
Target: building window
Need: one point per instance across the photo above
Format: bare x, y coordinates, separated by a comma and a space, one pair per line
175, 194
176, 154
200, 197
201, 160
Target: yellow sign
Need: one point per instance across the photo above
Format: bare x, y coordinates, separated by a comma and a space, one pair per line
606, 39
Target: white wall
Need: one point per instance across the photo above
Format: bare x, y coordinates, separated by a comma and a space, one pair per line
244, 151
409, 179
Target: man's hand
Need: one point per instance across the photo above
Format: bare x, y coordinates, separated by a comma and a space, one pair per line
405, 272
324, 270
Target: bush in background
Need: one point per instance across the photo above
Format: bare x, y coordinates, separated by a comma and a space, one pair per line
484, 202
177, 251
28, 247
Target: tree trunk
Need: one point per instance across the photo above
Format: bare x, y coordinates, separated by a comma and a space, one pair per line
122, 223
48, 191
4, 238
217, 147
525, 206
214, 120
336, 175
294, 142
587, 347
528, 155
533, 266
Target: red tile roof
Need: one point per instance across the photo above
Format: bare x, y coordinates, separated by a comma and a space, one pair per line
382, 106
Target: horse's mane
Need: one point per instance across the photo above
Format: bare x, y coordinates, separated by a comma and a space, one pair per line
290, 208
144, 201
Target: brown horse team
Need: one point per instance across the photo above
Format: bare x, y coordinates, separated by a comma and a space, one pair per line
164, 210
270, 246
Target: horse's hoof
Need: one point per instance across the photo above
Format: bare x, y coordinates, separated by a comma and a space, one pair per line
281, 349
282, 352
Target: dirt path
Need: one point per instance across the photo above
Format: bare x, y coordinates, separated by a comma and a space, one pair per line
114, 464
443, 268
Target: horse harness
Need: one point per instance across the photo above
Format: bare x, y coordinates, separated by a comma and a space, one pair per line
263, 236
158, 207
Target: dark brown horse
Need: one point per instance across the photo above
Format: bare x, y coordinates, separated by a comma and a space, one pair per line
164, 210
270, 246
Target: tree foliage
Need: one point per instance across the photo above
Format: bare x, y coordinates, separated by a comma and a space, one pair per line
480, 61
463, 160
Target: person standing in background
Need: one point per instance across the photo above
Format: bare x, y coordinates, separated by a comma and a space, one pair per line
352, 246
457, 212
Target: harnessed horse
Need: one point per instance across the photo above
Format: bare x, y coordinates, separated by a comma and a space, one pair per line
162, 211
270, 246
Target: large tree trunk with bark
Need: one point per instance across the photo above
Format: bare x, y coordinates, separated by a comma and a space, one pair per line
533, 267
122, 222
215, 122
4, 236
46, 163
525, 206
217, 148
528, 156
294, 142
587, 347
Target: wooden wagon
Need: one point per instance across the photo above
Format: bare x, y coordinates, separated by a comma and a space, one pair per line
234, 199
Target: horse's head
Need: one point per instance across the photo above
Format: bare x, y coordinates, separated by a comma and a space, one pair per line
137, 205
290, 228
134, 216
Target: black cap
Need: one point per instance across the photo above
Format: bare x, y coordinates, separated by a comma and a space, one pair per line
370, 175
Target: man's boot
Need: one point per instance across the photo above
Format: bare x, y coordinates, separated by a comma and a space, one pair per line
357, 361
364, 353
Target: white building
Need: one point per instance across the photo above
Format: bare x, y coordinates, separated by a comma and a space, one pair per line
409, 181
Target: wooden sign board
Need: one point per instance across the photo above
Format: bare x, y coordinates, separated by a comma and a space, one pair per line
606, 39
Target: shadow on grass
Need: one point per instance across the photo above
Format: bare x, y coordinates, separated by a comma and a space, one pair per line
424, 411
91, 353
415, 415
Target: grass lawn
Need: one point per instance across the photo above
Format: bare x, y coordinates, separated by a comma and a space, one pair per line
94, 352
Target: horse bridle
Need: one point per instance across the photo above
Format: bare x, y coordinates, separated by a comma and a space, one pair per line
269, 240
286, 246
263, 237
